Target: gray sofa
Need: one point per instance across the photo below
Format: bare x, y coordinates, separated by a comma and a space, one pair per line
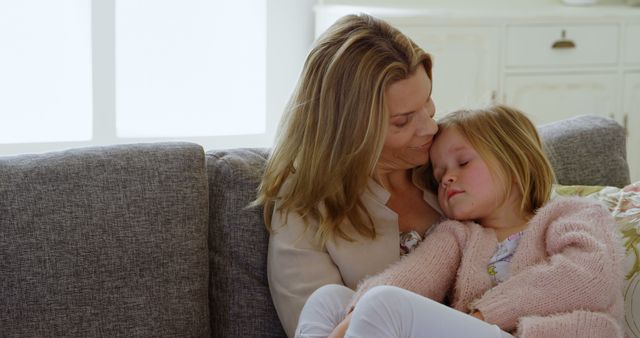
156, 240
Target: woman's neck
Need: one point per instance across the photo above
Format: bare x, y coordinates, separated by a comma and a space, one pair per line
393, 180
407, 201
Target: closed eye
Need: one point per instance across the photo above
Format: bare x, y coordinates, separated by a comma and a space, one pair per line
402, 124
402, 120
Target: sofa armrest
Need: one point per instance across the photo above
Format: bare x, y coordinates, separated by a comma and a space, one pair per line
587, 150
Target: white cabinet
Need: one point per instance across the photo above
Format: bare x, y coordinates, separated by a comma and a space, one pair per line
632, 44
631, 120
561, 45
460, 78
553, 96
538, 76
559, 70
549, 60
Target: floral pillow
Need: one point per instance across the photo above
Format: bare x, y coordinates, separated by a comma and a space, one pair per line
624, 205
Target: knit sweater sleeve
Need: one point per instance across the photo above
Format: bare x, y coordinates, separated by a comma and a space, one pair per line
429, 270
582, 268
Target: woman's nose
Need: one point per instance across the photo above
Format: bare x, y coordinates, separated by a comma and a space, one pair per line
428, 125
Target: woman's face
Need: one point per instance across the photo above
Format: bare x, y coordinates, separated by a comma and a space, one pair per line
411, 125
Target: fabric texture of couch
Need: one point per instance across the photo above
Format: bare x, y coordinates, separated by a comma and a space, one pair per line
157, 240
104, 242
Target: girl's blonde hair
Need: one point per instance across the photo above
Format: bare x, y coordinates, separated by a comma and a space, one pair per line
509, 142
333, 129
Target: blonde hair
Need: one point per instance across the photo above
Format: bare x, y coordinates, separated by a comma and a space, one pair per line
509, 142
333, 129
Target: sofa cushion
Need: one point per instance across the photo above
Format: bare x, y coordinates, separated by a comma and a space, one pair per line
104, 242
587, 150
239, 292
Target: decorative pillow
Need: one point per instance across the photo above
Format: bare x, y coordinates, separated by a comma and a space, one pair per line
624, 205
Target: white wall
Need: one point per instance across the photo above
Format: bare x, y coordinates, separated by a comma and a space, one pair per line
290, 31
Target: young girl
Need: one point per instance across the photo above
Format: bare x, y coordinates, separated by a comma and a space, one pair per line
509, 258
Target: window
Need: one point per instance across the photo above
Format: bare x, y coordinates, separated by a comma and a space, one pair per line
95, 72
190, 67
45, 67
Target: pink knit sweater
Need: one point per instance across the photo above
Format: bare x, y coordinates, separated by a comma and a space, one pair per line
565, 276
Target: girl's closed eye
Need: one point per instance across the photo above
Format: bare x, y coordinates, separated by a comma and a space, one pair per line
465, 159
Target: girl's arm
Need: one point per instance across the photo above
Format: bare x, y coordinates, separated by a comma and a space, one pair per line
430, 269
582, 269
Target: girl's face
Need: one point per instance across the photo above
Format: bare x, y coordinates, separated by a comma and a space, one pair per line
411, 125
466, 188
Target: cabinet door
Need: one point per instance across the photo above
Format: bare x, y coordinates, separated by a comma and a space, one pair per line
631, 109
465, 63
562, 45
631, 45
552, 97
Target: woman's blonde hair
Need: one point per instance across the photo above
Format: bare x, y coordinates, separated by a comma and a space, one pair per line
333, 129
509, 142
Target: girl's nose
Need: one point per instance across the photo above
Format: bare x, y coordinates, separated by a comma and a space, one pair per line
448, 178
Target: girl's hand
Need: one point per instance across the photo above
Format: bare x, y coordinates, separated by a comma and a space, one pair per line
478, 315
341, 329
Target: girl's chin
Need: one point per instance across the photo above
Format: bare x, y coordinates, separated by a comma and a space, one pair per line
458, 215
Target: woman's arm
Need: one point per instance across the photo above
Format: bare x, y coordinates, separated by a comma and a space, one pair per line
582, 270
296, 268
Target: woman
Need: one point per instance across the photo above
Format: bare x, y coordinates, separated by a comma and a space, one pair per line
344, 182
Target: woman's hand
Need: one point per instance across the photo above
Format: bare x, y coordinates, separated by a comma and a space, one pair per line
341, 329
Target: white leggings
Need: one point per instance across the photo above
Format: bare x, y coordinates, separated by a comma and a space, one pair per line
387, 311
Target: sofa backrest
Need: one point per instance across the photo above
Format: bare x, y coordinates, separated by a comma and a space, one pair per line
587, 150
107, 241
240, 301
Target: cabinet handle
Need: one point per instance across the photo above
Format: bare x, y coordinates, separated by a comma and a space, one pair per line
563, 42
625, 124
